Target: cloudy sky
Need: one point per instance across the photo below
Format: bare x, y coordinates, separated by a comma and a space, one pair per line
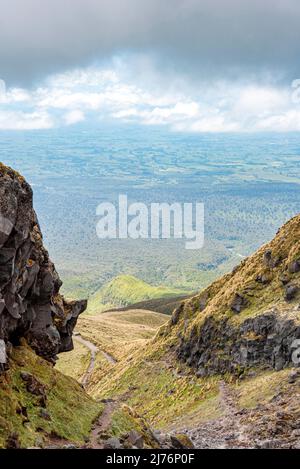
188, 65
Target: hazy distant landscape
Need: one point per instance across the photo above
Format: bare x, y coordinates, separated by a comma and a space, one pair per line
249, 184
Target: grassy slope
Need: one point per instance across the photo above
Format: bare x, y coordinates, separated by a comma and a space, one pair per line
167, 392
218, 297
170, 396
75, 362
116, 333
71, 410
125, 290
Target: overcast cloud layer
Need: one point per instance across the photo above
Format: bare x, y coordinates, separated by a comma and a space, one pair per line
95, 95
199, 38
190, 65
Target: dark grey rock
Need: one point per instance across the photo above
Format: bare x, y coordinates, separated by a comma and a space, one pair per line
294, 376
239, 303
291, 292
30, 303
112, 443
263, 341
294, 266
45, 414
135, 439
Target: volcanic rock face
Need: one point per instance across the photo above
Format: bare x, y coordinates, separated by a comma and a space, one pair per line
248, 318
30, 303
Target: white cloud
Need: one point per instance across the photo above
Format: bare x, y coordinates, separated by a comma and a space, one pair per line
18, 120
115, 93
285, 122
74, 117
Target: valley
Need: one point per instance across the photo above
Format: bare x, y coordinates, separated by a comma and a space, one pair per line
249, 184
152, 365
230, 398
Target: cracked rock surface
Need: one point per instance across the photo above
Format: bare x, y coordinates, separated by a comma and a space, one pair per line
31, 306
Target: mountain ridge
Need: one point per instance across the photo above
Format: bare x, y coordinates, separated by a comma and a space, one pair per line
125, 290
226, 351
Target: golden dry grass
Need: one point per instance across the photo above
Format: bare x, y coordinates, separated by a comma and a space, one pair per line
119, 333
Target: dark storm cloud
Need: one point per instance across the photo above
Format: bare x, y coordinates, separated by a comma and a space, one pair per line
201, 38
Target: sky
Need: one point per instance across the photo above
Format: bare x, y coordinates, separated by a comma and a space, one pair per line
187, 65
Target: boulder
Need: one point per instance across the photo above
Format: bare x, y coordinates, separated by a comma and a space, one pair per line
135, 439
294, 266
239, 302
112, 443
181, 441
291, 292
35, 387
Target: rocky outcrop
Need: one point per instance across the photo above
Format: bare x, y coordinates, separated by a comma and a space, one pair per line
265, 341
248, 318
30, 303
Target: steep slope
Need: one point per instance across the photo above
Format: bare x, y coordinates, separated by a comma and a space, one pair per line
125, 290
224, 364
158, 305
30, 303
38, 405
249, 317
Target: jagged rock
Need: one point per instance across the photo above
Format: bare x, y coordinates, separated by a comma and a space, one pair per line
181, 441
176, 314
290, 292
3, 355
13, 442
294, 266
267, 257
112, 443
262, 285
45, 414
35, 387
239, 302
293, 377
270, 261
30, 303
264, 340
135, 439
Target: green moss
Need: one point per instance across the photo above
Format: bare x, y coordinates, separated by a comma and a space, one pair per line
71, 410
125, 419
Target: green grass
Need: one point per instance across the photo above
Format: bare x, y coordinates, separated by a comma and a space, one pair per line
125, 419
75, 362
124, 290
71, 410
162, 390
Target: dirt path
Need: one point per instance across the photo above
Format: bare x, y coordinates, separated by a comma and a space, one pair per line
102, 424
226, 431
109, 357
93, 350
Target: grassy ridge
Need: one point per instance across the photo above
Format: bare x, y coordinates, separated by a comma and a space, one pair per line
124, 290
